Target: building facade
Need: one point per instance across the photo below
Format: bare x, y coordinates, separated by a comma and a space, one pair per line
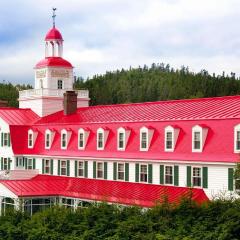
57, 148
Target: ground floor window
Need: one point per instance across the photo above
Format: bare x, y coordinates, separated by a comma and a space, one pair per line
120, 171
38, 204
29, 163
68, 202
63, 168
7, 205
47, 166
99, 170
168, 175
143, 173
196, 180
80, 169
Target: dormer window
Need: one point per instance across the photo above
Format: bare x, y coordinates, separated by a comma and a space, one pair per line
171, 136
102, 135
65, 137
122, 139
145, 138
49, 136
32, 135
237, 138
199, 135
83, 135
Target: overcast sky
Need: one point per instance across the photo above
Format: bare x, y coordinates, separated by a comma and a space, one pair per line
103, 35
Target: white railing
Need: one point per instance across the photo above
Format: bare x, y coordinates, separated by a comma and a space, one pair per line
42, 92
18, 174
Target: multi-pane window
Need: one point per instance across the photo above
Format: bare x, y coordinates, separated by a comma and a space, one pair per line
168, 174
196, 177
30, 140
30, 163
99, 170
143, 173
197, 140
60, 84
100, 140
47, 140
5, 139
64, 140
63, 168
143, 140
120, 171
121, 140
5, 164
238, 140
47, 166
169, 140
80, 169
81, 140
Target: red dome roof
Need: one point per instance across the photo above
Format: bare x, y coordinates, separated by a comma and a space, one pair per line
53, 34
53, 62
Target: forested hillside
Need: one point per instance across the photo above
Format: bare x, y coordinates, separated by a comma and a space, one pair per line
9, 93
158, 82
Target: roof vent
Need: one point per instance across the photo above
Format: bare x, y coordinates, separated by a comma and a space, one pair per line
69, 102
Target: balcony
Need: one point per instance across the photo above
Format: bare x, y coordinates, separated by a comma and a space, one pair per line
45, 92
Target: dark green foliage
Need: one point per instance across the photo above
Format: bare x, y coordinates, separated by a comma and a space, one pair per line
159, 82
9, 93
215, 220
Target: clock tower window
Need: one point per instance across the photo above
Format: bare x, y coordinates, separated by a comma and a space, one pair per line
60, 84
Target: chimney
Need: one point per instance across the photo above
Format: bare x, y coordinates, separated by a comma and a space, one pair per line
69, 102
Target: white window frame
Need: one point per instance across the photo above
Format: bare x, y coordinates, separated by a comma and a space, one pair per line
100, 131
144, 130
62, 83
78, 168
140, 180
169, 130
5, 139
121, 131
97, 176
48, 132
5, 163
203, 135
165, 182
236, 129
119, 179
30, 133
61, 161
68, 136
201, 176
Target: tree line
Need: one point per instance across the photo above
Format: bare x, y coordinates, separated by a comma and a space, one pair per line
219, 219
157, 82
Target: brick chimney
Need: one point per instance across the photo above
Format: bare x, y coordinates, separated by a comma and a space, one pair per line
69, 102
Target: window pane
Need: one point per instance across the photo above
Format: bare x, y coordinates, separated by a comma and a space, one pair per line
121, 140
238, 141
63, 168
197, 177
80, 169
169, 175
64, 138
81, 140
100, 140
143, 173
144, 140
197, 142
99, 170
120, 171
169, 140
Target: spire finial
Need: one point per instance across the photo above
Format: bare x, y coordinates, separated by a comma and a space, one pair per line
54, 16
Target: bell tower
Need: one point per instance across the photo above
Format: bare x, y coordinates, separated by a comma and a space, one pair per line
53, 77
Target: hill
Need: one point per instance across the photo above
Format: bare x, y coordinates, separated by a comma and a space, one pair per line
158, 82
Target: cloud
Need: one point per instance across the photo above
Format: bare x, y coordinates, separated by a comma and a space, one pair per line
103, 35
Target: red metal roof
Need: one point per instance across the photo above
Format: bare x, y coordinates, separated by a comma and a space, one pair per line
174, 110
144, 195
53, 62
53, 34
16, 116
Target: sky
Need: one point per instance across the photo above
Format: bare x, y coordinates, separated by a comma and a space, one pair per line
105, 35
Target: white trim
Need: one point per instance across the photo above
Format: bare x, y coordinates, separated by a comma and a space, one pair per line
164, 180
123, 131
30, 132
85, 137
52, 135
68, 136
141, 164
144, 130
124, 173
102, 162
201, 176
236, 129
203, 135
104, 140
175, 133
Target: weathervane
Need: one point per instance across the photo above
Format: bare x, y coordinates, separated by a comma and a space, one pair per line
54, 16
